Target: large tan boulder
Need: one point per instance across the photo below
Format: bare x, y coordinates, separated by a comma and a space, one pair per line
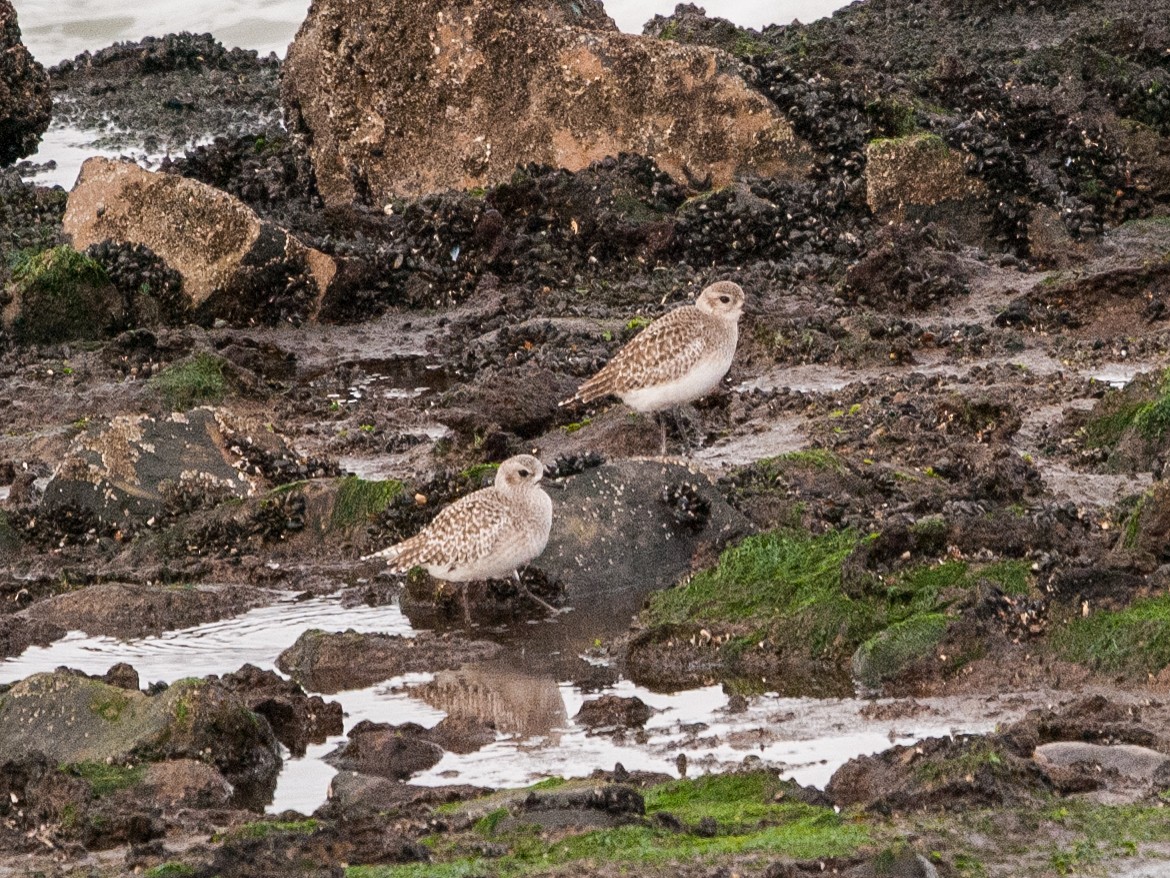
402, 98
234, 266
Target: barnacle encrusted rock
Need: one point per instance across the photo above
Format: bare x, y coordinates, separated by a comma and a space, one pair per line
403, 99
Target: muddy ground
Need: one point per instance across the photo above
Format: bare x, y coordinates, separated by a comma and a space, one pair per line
930, 408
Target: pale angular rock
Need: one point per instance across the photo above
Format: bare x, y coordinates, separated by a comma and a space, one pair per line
127, 469
403, 99
235, 266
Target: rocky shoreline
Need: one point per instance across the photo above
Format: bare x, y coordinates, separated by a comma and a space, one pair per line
937, 468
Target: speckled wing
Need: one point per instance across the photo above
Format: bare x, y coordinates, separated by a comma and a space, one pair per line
664, 351
461, 535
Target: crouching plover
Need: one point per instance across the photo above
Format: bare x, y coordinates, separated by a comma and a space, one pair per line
680, 357
487, 534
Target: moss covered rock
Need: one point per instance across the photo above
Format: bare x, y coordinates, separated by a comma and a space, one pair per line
60, 295
73, 718
889, 652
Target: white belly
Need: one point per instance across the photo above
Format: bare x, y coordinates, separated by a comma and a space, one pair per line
696, 383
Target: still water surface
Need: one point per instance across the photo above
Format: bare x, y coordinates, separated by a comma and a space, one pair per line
532, 710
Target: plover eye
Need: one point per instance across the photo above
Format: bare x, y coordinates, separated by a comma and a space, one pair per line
524, 474
725, 299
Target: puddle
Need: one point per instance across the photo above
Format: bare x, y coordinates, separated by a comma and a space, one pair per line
1117, 374
255, 637
401, 378
777, 437
531, 706
69, 148
811, 378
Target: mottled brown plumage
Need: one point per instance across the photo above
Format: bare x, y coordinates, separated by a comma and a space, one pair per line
680, 357
487, 534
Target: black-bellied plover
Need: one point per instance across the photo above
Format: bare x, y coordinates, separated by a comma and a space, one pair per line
680, 357
488, 534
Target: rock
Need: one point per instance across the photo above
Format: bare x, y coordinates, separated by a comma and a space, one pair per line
25, 102
1095, 719
76, 719
286, 845
576, 804
126, 471
297, 719
186, 783
965, 771
892, 650
115, 609
1128, 760
276, 850
613, 712
918, 178
122, 675
629, 527
59, 295
462, 734
521, 400
1113, 774
235, 266
351, 793
580, 807
1146, 536
427, 97
390, 751
330, 662
17, 634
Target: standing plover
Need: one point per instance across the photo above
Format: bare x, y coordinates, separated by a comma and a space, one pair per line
487, 534
681, 356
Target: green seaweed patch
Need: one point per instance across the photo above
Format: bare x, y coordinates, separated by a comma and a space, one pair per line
933, 586
1014, 576
1139, 408
576, 425
786, 588
738, 802
170, 870
889, 652
195, 381
359, 500
636, 323
64, 295
1129, 539
104, 779
480, 473
980, 754
1092, 833
1134, 641
110, 706
266, 828
921, 142
788, 582
751, 817
812, 458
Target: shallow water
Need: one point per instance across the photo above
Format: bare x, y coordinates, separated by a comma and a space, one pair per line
531, 707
